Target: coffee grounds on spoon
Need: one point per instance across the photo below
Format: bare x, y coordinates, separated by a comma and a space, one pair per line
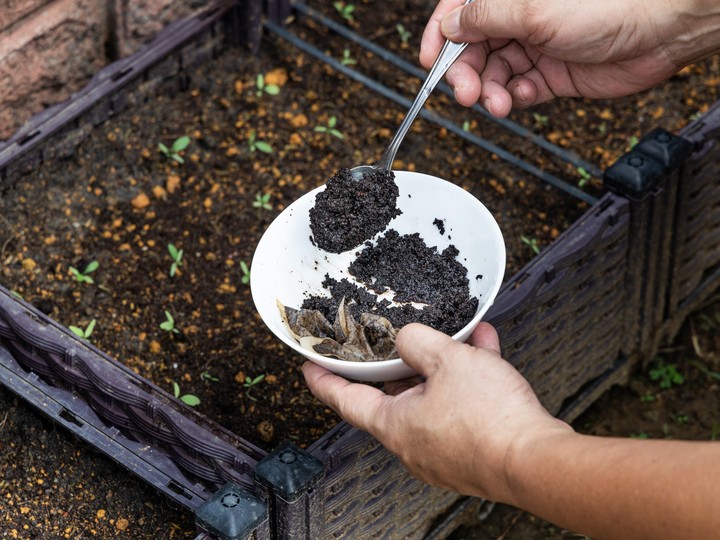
350, 211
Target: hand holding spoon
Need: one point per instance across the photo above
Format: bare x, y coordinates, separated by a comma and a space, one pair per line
445, 59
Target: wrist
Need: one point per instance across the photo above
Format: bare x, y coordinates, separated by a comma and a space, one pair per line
690, 30
528, 453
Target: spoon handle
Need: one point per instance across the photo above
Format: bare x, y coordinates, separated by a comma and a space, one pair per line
445, 59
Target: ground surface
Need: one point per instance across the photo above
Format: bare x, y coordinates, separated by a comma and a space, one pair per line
53, 486
120, 202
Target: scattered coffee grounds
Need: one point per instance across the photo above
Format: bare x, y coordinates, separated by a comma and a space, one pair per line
440, 224
349, 211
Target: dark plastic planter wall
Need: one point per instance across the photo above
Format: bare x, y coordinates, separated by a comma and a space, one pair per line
696, 250
603, 296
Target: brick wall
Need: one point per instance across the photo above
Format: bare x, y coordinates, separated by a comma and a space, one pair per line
51, 48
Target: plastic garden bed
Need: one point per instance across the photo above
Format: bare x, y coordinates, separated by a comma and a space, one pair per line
603, 296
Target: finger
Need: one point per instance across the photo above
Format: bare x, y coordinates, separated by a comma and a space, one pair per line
432, 38
501, 66
525, 92
464, 74
485, 19
423, 348
485, 337
532, 88
393, 388
465, 82
356, 403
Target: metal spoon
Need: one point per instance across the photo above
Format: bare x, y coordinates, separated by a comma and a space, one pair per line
445, 59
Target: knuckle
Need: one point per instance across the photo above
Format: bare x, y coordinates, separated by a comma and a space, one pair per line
536, 19
475, 15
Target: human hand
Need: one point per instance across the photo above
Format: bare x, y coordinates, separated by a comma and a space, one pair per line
526, 52
459, 428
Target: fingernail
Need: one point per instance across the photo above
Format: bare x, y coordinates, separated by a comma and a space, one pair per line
451, 22
520, 93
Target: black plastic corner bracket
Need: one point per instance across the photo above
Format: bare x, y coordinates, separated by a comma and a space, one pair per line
289, 471
667, 149
231, 514
638, 173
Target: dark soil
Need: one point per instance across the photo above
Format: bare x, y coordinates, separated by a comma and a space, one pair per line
352, 210
120, 202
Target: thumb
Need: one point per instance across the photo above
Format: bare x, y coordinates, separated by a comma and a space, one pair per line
423, 348
484, 19
485, 337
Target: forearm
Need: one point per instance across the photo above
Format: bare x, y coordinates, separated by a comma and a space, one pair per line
690, 30
620, 488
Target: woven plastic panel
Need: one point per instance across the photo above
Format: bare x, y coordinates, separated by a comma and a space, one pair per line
697, 249
205, 451
369, 494
562, 318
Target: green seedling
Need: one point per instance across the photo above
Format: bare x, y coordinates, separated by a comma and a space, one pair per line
632, 142
585, 177
245, 279
639, 436
667, 374
260, 146
262, 200
681, 419
405, 34
532, 243
602, 128
180, 144
715, 431
347, 59
169, 324
345, 10
263, 87
17, 295
188, 399
84, 333
466, 126
250, 382
647, 397
84, 275
206, 376
176, 255
541, 120
330, 128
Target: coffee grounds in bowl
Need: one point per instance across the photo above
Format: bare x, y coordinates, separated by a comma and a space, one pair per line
350, 211
429, 286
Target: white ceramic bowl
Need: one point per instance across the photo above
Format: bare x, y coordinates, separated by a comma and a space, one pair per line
286, 265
